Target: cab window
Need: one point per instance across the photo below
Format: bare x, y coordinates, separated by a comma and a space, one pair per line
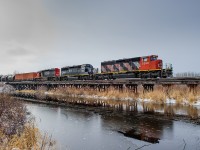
153, 58
144, 59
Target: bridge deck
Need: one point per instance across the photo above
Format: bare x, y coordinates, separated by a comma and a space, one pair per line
162, 81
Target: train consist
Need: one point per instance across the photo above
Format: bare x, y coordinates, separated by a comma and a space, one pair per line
137, 67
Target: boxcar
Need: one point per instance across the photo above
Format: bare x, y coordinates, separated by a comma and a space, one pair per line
26, 76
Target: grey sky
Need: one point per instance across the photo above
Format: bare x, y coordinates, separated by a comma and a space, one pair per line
41, 34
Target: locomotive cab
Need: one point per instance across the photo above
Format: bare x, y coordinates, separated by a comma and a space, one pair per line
150, 63
155, 63
88, 68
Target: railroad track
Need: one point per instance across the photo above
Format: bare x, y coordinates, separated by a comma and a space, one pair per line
119, 81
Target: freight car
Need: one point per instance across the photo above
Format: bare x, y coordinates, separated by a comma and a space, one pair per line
31, 76
6, 78
1, 77
10, 78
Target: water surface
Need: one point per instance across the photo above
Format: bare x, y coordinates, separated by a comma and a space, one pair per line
87, 128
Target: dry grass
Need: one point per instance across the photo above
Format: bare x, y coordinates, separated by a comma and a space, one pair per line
182, 93
160, 94
109, 93
18, 131
29, 139
128, 99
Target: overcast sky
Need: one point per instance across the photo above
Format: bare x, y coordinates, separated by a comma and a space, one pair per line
41, 34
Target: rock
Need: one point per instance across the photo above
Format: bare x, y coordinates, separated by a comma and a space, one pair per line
7, 89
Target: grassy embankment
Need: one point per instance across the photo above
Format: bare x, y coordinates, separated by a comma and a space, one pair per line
17, 131
181, 94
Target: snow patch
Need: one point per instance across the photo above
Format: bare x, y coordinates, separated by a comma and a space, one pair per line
48, 93
128, 98
147, 100
197, 103
144, 100
170, 101
185, 102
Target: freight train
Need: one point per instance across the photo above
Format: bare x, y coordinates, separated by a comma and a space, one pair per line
137, 67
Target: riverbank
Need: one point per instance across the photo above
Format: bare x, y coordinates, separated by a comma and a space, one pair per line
179, 94
164, 102
85, 101
17, 128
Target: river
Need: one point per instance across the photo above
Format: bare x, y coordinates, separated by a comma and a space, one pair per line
90, 128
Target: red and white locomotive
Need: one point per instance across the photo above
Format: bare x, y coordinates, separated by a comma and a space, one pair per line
137, 67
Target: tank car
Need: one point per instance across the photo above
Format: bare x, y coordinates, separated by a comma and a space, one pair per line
0, 77
10, 78
4, 78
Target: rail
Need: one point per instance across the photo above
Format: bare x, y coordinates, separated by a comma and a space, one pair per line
102, 85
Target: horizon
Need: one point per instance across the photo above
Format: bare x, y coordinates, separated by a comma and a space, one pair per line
43, 34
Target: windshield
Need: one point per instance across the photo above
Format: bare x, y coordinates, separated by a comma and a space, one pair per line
153, 58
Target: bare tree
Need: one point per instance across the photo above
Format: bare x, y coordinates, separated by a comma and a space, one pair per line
188, 74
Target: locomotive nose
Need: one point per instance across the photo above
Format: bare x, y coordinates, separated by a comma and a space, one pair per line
159, 64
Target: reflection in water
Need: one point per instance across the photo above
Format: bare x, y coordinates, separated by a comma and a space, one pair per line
138, 126
177, 109
146, 107
141, 136
128, 105
153, 108
81, 127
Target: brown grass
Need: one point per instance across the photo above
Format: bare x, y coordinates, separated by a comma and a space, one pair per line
180, 93
109, 93
158, 95
29, 139
18, 131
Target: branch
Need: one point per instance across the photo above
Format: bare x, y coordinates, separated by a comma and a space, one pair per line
184, 145
142, 146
